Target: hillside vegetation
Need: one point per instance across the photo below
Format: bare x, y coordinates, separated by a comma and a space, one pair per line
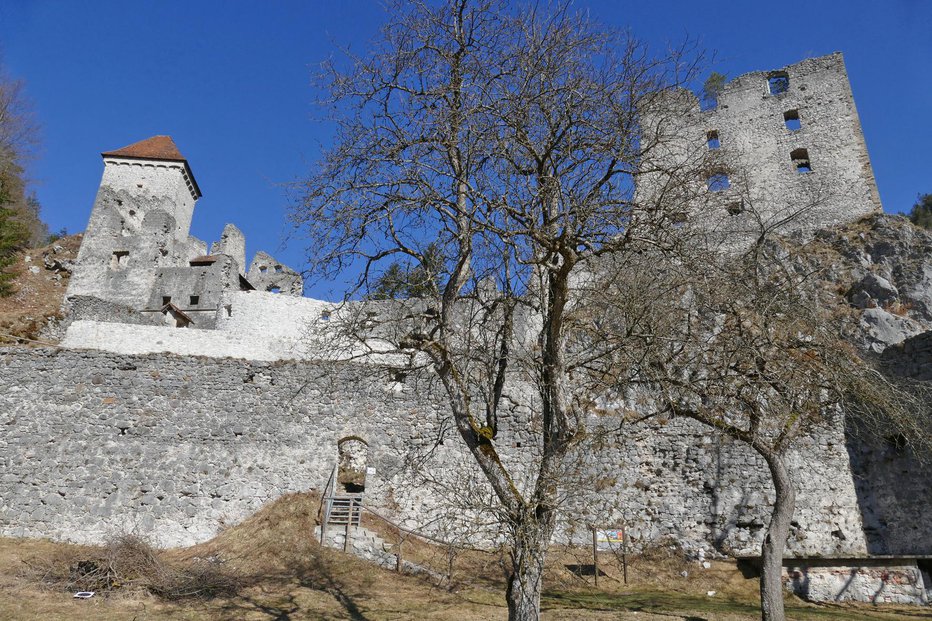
270, 567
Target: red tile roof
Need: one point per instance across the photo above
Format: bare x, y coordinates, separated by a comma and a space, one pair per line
206, 259
155, 148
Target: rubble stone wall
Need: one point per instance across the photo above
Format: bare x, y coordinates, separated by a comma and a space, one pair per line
174, 447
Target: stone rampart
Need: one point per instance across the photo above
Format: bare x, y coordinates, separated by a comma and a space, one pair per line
174, 447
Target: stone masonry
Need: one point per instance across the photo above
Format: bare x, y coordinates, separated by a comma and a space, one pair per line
190, 389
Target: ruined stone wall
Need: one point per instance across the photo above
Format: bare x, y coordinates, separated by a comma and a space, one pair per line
256, 325
174, 447
881, 581
149, 179
139, 223
266, 274
750, 138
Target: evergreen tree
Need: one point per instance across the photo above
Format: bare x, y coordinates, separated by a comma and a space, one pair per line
13, 236
921, 213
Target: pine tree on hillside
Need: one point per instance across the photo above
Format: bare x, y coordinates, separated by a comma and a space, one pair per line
13, 236
921, 213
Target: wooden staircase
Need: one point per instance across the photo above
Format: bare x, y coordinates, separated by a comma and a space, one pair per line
343, 509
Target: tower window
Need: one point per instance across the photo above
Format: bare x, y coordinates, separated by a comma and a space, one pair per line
791, 120
325, 315
278, 269
718, 182
118, 259
263, 269
195, 299
166, 299
801, 161
778, 82
712, 140
735, 208
274, 290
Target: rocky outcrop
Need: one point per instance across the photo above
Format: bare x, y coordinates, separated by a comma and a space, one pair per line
880, 267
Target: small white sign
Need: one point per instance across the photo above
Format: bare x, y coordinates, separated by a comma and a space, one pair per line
84, 595
370, 470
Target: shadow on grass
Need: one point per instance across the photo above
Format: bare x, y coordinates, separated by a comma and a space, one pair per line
278, 601
680, 603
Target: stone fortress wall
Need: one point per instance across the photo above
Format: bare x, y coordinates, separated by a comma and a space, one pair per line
174, 416
780, 150
95, 440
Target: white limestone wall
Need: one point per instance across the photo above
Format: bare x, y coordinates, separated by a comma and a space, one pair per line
252, 325
155, 179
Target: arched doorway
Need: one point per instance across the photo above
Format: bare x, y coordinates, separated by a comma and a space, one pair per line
351, 474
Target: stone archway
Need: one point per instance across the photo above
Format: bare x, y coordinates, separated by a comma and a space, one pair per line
353, 457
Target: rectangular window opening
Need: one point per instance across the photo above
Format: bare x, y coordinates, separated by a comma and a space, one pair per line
791, 120
195, 299
712, 140
118, 259
778, 82
263, 269
278, 269
801, 161
718, 182
325, 315
735, 208
166, 299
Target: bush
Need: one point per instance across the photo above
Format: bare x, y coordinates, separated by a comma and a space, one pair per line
128, 563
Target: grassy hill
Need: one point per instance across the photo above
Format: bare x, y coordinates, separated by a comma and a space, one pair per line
270, 567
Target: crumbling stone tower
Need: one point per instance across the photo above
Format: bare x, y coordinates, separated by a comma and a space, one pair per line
139, 223
779, 150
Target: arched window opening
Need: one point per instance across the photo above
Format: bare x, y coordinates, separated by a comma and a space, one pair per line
351, 473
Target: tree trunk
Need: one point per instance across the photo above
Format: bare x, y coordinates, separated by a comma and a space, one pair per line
771, 579
529, 551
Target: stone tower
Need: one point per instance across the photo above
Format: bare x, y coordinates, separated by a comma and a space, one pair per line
779, 150
139, 223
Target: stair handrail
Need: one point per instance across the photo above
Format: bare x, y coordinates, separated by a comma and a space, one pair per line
326, 500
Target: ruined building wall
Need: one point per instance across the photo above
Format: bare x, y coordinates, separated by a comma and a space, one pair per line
139, 223
752, 146
96, 443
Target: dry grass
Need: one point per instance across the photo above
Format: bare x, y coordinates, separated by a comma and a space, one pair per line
279, 572
38, 297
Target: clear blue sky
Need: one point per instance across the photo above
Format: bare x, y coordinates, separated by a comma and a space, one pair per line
230, 82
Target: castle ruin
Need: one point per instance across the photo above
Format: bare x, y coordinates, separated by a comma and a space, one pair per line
190, 389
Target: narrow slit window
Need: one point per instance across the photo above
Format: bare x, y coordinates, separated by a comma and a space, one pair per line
791, 120
801, 161
712, 140
195, 299
718, 182
778, 82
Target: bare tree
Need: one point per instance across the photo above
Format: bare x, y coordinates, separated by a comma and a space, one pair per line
508, 141
750, 344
